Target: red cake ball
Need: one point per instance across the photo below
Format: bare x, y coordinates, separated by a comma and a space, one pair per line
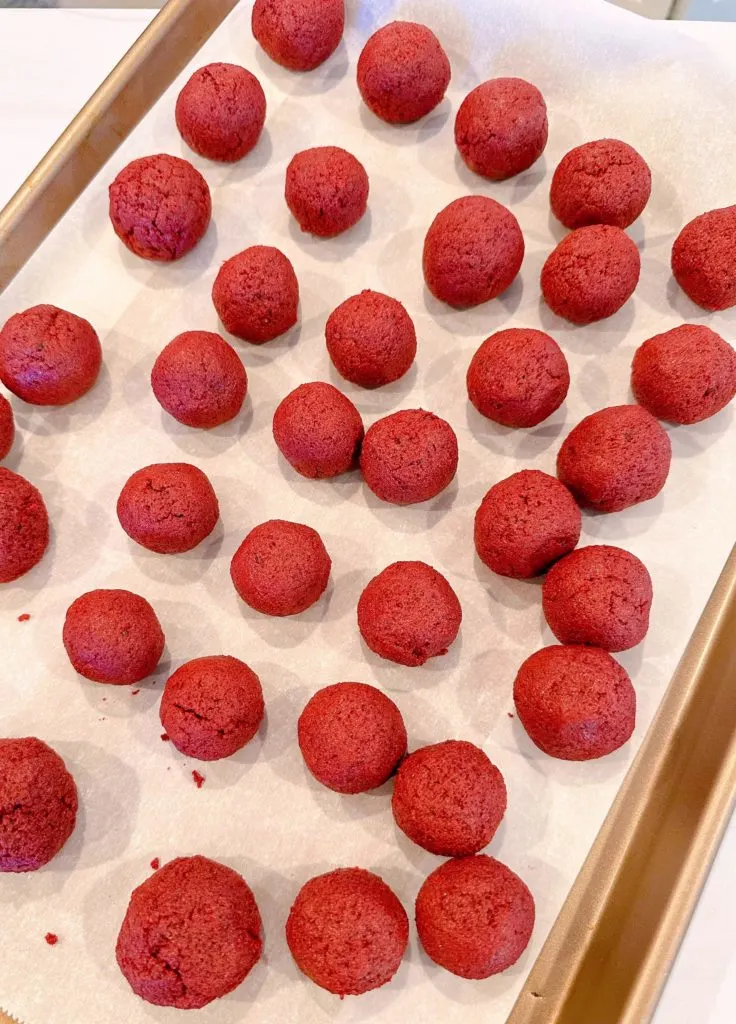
615, 458
256, 294
409, 456
518, 377
352, 737
576, 703
7, 427
602, 182
160, 207
298, 34
113, 636
684, 375
525, 523
474, 916
501, 127
347, 931
24, 526
211, 707
472, 252
221, 111
318, 431
403, 72
199, 379
371, 339
326, 190
591, 274
192, 933
599, 596
281, 568
169, 507
49, 356
704, 259
409, 613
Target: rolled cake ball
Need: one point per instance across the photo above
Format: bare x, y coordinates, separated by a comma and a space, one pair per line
298, 34
24, 526
326, 190
199, 380
221, 111
704, 259
318, 430
601, 182
169, 507
409, 456
371, 339
256, 294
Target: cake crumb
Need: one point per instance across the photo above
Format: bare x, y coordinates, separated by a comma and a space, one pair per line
165, 737
510, 714
51, 938
199, 779
155, 863
134, 693
24, 617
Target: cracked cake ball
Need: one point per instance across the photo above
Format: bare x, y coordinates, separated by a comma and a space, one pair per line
409, 456
169, 507
318, 430
298, 34
326, 190
7, 427
24, 526
704, 259
256, 294
371, 339
601, 182
221, 111
199, 380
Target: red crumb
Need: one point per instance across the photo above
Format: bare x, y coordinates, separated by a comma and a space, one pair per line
199, 779
103, 719
510, 714
155, 863
134, 692
24, 617
165, 737
51, 938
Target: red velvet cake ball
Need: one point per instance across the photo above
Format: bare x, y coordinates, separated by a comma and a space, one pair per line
199, 380
371, 339
298, 34
602, 182
220, 112
409, 456
704, 259
326, 190
501, 127
169, 507
318, 431
256, 294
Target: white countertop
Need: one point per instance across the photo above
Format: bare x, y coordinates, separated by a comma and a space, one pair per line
43, 83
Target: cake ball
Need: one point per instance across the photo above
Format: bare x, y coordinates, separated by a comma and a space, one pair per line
474, 916
409, 456
347, 931
576, 703
352, 737
409, 613
473, 251
24, 526
256, 294
192, 933
601, 182
501, 127
525, 523
113, 636
221, 111
298, 34
38, 804
403, 72
281, 568
160, 207
169, 507
591, 274
615, 458
518, 377
598, 596
371, 339
326, 190
7, 427
685, 375
318, 431
199, 380
49, 356
704, 259
449, 798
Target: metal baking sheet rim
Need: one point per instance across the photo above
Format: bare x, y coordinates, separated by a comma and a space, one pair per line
616, 937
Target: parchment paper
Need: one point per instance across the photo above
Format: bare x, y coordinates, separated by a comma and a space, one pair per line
604, 73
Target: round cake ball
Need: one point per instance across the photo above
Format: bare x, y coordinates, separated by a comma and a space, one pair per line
473, 251
24, 526
403, 72
351, 737
7, 427
212, 707
113, 636
615, 458
591, 274
518, 377
298, 34
199, 379
256, 294
318, 431
474, 916
449, 798
220, 112
347, 931
192, 932
599, 596
38, 804
704, 259
684, 375
326, 190
409, 613
525, 523
409, 456
49, 356
169, 507
575, 703
602, 182
501, 127
371, 339
281, 568
160, 207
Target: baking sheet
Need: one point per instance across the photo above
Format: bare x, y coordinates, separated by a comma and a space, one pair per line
603, 73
